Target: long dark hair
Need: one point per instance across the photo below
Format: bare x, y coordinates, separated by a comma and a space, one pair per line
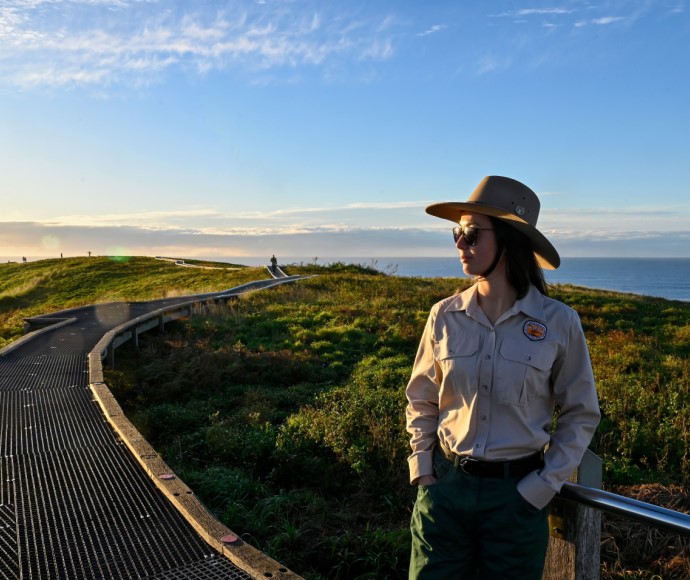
522, 267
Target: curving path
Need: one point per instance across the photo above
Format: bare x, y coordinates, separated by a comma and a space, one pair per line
74, 501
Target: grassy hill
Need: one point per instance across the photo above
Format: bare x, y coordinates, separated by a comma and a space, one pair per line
32, 288
285, 411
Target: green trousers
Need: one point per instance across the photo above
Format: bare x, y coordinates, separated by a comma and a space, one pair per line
472, 527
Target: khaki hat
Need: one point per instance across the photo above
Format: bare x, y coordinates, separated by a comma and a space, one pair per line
508, 200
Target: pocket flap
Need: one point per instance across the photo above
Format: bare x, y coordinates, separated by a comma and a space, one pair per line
464, 345
539, 355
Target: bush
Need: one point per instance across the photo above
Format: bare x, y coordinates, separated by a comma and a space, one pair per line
363, 429
285, 412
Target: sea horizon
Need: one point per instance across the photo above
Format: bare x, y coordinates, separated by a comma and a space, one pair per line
657, 277
667, 278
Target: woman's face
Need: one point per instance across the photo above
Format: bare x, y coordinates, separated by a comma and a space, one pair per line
478, 258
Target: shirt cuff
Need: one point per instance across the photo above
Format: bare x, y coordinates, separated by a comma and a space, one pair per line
421, 463
533, 489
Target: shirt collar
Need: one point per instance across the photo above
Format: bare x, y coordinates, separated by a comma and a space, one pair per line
466, 301
531, 304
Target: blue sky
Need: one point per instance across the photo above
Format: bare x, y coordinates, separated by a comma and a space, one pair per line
323, 128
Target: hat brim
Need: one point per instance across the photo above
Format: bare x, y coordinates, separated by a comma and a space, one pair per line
546, 254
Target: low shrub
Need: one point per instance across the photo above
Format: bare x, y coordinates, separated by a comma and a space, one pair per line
285, 412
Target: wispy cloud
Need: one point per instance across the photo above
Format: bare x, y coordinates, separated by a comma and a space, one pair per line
532, 12
151, 218
118, 41
402, 215
489, 63
607, 20
434, 29
176, 218
624, 221
522, 16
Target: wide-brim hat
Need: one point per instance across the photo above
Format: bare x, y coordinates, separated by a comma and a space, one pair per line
508, 200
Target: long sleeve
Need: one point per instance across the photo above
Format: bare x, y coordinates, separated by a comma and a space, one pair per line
575, 393
488, 391
423, 404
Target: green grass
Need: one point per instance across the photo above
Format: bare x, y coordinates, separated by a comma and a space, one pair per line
299, 393
44, 286
640, 349
285, 410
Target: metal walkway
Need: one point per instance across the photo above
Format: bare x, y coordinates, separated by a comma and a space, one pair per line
74, 503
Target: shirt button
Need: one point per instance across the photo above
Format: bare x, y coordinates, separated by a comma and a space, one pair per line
483, 417
488, 357
528, 357
478, 445
484, 387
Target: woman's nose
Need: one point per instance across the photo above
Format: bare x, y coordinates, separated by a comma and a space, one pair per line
461, 243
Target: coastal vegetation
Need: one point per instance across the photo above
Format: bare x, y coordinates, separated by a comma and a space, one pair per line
45, 286
284, 411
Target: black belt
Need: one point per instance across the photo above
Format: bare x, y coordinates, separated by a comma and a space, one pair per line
504, 469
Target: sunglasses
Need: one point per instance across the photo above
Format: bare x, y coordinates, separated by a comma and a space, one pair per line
468, 233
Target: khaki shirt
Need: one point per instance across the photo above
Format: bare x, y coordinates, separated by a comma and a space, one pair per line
489, 390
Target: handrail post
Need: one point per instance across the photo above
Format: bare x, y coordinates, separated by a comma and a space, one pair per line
575, 542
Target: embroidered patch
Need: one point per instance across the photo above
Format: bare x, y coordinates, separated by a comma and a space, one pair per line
520, 210
534, 330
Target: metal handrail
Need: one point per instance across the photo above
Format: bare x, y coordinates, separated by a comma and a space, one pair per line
133, 327
633, 509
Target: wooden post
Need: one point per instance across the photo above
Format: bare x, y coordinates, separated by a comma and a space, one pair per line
575, 542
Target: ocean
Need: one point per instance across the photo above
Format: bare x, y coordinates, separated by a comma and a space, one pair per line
662, 277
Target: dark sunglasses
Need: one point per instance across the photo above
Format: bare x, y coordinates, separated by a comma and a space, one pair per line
468, 233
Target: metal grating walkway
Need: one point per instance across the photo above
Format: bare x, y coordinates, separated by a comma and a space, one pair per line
74, 503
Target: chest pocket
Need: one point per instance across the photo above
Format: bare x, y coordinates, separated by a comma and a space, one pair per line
457, 357
524, 371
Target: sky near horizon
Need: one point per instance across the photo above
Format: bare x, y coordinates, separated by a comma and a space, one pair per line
231, 129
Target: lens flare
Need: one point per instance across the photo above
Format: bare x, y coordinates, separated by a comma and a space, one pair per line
118, 254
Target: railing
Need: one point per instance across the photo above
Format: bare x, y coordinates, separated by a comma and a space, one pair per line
217, 535
131, 329
575, 519
646, 513
221, 538
276, 272
575, 522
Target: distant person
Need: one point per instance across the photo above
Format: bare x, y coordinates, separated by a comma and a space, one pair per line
274, 264
492, 363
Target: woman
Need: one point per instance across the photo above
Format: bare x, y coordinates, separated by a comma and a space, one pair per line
492, 363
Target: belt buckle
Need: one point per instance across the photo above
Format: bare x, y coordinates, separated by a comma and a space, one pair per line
466, 462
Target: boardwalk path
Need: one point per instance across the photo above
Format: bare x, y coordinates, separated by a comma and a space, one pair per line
74, 502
